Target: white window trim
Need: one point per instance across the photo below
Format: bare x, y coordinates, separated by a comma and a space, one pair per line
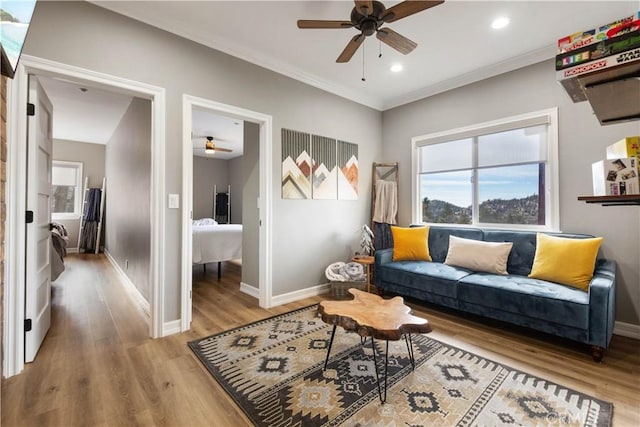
548, 116
77, 213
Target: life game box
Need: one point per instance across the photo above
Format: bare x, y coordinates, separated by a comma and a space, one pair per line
601, 49
615, 177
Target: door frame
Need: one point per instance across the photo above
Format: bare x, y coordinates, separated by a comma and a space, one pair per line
264, 202
17, 96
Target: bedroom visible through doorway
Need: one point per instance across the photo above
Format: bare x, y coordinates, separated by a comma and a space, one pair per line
226, 201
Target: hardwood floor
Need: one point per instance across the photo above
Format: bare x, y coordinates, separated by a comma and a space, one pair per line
97, 365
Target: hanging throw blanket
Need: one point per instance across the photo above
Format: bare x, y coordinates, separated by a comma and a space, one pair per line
386, 205
385, 210
90, 218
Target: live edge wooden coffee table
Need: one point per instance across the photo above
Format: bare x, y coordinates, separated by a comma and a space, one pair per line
371, 316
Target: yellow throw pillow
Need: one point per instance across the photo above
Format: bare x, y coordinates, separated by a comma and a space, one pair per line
410, 244
565, 260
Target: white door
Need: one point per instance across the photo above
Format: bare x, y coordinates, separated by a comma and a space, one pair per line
38, 274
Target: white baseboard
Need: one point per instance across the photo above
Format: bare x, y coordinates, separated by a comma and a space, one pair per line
627, 330
131, 289
249, 290
298, 295
172, 327
72, 250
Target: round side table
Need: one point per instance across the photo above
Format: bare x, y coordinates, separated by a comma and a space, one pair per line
367, 261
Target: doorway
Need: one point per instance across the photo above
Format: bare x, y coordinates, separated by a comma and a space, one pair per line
261, 289
16, 188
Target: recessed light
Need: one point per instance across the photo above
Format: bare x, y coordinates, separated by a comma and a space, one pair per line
396, 68
500, 22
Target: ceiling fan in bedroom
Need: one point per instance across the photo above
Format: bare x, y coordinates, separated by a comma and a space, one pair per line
368, 17
210, 147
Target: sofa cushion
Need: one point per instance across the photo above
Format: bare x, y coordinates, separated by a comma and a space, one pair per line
476, 255
432, 277
564, 260
410, 244
524, 247
528, 297
439, 239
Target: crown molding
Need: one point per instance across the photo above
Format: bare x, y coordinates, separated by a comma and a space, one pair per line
492, 70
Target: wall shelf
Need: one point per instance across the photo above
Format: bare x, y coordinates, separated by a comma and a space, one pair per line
626, 200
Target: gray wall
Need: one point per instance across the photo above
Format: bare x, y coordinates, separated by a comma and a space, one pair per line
582, 141
207, 173
308, 235
128, 194
92, 158
250, 214
236, 181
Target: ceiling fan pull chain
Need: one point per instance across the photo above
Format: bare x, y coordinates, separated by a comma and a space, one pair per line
379, 49
363, 79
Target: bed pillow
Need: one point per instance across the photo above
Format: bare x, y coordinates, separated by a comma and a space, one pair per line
565, 260
410, 244
476, 255
204, 221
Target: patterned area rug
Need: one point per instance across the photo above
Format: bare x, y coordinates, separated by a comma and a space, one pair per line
273, 369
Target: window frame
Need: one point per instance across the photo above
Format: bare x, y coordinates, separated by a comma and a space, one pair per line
77, 206
552, 200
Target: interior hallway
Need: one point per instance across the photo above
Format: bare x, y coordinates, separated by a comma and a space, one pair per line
98, 366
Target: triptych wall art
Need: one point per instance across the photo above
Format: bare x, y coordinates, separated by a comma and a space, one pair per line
317, 167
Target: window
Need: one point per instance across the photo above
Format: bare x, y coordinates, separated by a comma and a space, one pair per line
500, 174
66, 194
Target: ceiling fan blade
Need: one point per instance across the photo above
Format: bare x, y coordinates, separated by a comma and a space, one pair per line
223, 150
407, 8
364, 7
306, 23
395, 40
351, 48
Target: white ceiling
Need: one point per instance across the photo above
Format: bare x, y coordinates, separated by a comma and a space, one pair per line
85, 116
92, 115
456, 44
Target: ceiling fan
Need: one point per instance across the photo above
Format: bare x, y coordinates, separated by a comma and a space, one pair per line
368, 17
210, 147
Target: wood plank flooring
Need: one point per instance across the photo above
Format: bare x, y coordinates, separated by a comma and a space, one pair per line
97, 366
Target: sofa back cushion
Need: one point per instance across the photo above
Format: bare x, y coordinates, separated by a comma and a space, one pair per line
439, 239
524, 247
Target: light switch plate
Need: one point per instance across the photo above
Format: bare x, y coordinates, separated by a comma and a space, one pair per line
174, 201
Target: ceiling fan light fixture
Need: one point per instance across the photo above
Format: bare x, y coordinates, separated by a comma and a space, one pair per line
396, 68
209, 150
500, 22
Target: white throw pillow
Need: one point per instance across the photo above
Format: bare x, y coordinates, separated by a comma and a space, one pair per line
476, 255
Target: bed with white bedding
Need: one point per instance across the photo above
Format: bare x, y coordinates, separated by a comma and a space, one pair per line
213, 242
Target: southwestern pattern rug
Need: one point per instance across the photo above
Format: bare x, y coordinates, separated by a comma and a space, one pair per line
273, 369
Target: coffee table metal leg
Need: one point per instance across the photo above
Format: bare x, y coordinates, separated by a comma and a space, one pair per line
407, 340
326, 360
386, 365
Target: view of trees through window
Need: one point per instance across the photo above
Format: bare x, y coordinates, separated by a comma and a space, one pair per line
494, 178
506, 195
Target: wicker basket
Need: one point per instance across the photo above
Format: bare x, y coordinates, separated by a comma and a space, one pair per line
339, 290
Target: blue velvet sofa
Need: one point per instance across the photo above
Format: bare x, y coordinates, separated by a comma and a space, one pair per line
585, 317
